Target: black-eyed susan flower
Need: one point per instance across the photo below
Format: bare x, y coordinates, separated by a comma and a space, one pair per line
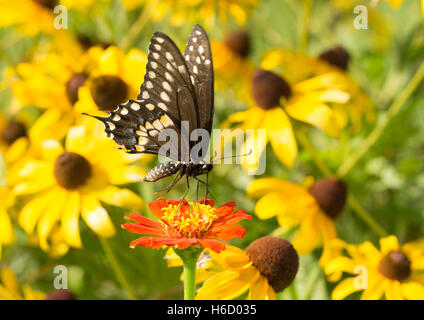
275, 98
115, 78
333, 60
68, 85
313, 209
11, 290
72, 181
183, 224
61, 294
267, 266
7, 235
393, 272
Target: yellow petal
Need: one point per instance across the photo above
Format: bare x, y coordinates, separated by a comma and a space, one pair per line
123, 198
282, 137
394, 291
260, 187
33, 210
269, 205
376, 288
259, 289
7, 236
308, 236
344, 289
51, 216
388, 244
227, 285
70, 220
413, 290
96, 216
9, 280
127, 174
316, 114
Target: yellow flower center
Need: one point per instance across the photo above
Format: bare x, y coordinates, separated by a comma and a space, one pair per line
193, 222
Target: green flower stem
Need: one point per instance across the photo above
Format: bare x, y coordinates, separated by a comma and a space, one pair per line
189, 257
305, 23
354, 204
365, 216
117, 268
394, 109
139, 24
304, 142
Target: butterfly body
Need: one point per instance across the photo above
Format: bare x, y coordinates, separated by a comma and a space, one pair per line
170, 168
177, 89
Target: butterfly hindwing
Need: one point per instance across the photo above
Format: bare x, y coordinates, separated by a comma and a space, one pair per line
198, 58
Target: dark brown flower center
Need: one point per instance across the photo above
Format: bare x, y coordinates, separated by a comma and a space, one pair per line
238, 42
50, 4
71, 170
13, 131
276, 259
330, 194
337, 56
395, 266
61, 294
268, 88
72, 86
108, 91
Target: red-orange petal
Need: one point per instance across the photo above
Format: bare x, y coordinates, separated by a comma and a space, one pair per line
212, 244
156, 207
142, 229
228, 232
143, 220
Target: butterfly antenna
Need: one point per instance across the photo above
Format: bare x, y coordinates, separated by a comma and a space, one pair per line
236, 156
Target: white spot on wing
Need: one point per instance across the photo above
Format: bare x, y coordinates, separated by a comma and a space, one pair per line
164, 96
136, 106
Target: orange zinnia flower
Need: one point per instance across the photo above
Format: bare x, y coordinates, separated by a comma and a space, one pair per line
190, 224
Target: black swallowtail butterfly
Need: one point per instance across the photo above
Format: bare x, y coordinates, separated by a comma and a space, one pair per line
176, 88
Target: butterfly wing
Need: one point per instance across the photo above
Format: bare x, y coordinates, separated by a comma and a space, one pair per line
166, 98
198, 58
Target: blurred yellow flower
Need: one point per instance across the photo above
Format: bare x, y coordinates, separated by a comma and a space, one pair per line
333, 60
68, 85
204, 10
393, 272
74, 180
267, 266
232, 65
313, 209
275, 98
115, 78
9, 288
7, 236
29, 16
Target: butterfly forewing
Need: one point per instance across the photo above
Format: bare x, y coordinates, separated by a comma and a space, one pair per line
167, 81
198, 59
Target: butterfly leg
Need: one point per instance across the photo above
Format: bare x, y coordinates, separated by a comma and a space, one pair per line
197, 191
206, 185
178, 177
185, 194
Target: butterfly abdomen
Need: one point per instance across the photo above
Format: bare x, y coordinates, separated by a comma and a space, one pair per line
163, 170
